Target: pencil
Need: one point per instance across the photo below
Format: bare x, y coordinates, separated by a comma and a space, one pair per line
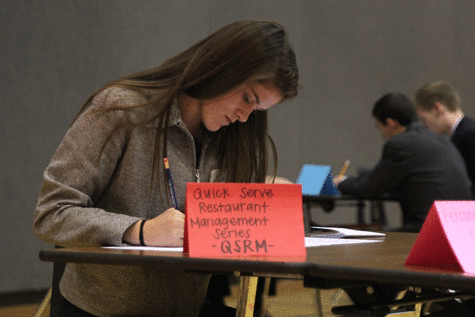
171, 187
344, 168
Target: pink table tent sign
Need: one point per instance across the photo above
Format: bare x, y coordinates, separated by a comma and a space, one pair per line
447, 238
242, 220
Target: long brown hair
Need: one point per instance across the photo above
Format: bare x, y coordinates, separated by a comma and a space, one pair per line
225, 59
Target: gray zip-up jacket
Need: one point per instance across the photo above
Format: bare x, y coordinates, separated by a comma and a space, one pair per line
89, 199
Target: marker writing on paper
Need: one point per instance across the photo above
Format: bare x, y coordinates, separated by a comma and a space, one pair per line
344, 168
171, 187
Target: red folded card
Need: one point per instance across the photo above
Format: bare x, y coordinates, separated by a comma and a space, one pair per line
447, 238
238, 219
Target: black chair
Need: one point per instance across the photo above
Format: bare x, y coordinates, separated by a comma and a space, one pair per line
50, 304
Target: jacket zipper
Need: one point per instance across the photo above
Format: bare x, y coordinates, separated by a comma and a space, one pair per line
197, 170
197, 175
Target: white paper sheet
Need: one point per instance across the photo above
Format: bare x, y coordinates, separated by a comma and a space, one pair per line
351, 233
318, 242
131, 247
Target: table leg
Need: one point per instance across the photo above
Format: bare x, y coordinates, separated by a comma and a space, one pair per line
361, 217
378, 214
246, 296
307, 217
318, 302
45, 306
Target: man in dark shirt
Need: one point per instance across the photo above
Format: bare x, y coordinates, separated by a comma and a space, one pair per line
417, 166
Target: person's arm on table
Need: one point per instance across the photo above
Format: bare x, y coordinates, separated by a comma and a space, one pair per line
387, 174
166, 229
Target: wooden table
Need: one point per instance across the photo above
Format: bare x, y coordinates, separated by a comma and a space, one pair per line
381, 262
324, 267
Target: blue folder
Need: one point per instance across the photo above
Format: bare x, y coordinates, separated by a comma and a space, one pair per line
317, 180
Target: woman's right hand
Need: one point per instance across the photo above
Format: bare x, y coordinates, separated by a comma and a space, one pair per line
165, 230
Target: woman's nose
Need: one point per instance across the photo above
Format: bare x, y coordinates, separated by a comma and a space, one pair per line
244, 112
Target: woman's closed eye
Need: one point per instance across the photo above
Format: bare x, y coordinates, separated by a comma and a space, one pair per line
247, 98
251, 98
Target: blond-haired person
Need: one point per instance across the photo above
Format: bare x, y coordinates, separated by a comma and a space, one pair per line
439, 108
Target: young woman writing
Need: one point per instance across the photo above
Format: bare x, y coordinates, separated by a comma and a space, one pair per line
206, 111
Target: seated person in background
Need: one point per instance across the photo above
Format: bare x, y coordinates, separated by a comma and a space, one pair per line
438, 107
417, 166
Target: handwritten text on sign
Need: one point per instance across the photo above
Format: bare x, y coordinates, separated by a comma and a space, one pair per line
244, 219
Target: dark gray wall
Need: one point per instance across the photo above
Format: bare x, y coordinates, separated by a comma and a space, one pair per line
55, 53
